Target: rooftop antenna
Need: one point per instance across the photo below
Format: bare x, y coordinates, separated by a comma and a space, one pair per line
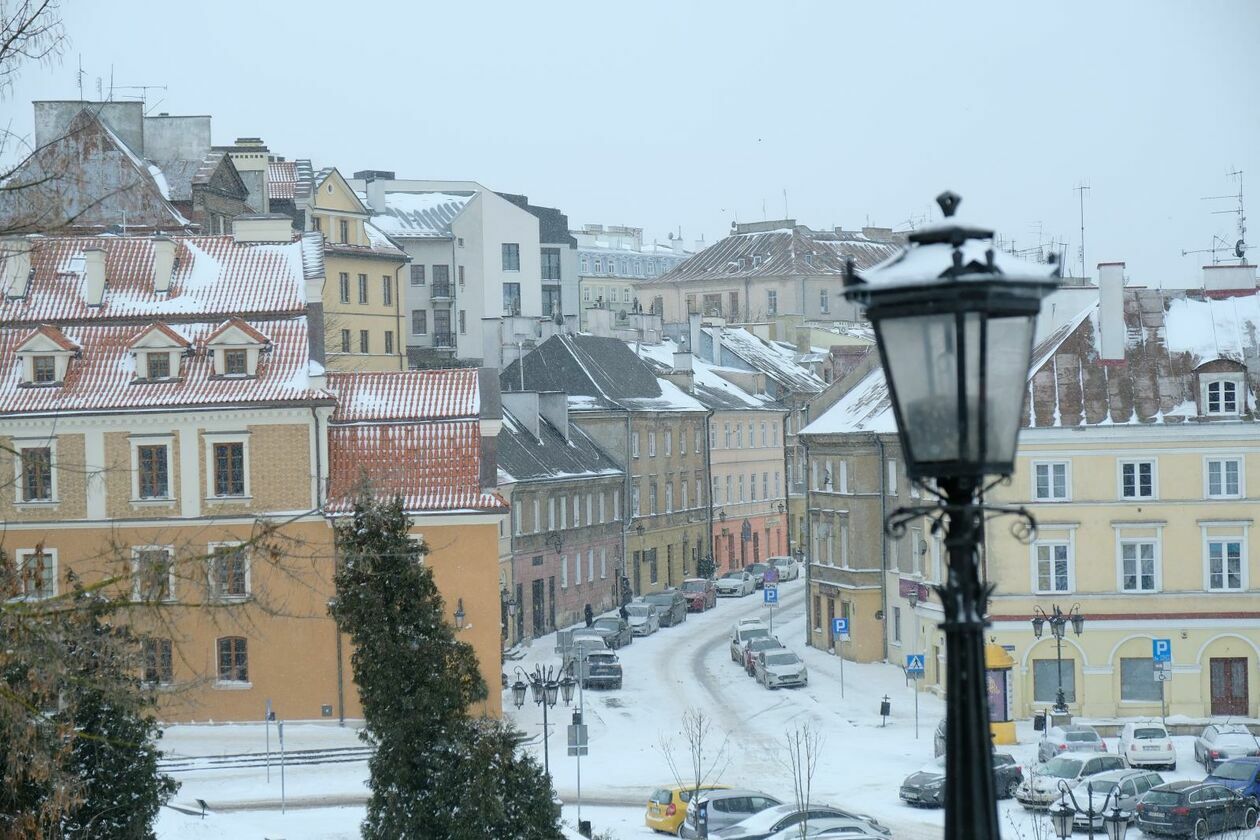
1220, 243
79, 77
786, 214
144, 91
1082, 188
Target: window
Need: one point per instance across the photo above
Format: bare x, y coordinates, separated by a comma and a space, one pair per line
44, 369
1053, 566
1225, 564
37, 573
739, 435
512, 298
551, 514
822, 300
896, 625
586, 294
843, 485
764, 434
389, 342
516, 519
417, 275
1137, 681
1046, 680
616, 511
726, 435
1139, 566
564, 571
345, 341
37, 474
1224, 478
669, 497
157, 365
344, 229
564, 512
634, 445
344, 286
752, 487
682, 485
152, 476
229, 469
233, 658
682, 442
235, 362
152, 574
651, 558
652, 444
728, 497
698, 438
1050, 481
577, 512
551, 263
603, 512
634, 499
363, 341
669, 442
583, 264
158, 663
229, 572
511, 256
590, 565
741, 487
603, 563
1221, 396
441, 279
419, 322
652, 508
461, 276
772, 302
1137, 479
387, 290
765, 485
463, 323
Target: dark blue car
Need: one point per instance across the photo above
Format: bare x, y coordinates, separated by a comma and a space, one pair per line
1240, 774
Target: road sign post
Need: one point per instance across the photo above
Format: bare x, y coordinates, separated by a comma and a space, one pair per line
914, 670
840, 633
770, 595
1161, 656
280, 730
267, 715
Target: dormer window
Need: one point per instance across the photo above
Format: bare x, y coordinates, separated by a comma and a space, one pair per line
1221, 393
158, 365
235, 363
45, 354
157, 350
1222, 397
235, 347
44, 370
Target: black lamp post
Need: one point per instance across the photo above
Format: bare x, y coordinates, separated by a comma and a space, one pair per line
546, 685
1058, 621
954, 322
1063, 815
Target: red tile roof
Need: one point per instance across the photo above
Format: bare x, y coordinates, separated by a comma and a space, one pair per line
281, 179
237, 323
50, 332
432, 466
405, 395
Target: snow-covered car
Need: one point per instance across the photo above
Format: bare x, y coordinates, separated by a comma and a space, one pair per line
788, 568
926, 787
700, 593
718, 809
644, 620
581, 647
741, 636
771, 821
602, 670
780, 669
1128, 784
830, 828
671, 606
1074, 737
758, 572
736, 583
756, 646
1041, 786
1147, 745
619, 633
1221, 741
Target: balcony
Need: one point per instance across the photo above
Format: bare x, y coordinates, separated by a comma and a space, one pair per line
440, 291
444, 340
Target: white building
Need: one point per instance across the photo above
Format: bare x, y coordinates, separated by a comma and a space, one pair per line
612, 259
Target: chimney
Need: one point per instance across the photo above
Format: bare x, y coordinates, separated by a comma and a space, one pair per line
1229, 278
94, 276
490, 420
1111, 310
375, 189
15, 268
682, 360
254, 228
717, 345
163, 263
524, 406
554, 407
803, 344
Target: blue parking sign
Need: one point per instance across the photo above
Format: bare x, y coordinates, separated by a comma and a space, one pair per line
840, 626
771, 594
1161, 650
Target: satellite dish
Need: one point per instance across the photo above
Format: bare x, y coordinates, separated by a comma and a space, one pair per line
1239, 248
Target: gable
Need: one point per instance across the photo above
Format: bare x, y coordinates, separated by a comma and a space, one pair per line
333, 193
225, 179
159, 336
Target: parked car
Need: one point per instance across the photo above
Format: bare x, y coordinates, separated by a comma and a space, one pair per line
701, 594
1147, 745
582, 647
829, 829
756, 646
671, 606
1041, 786
619, 632
926, 787
1240, 774
718, 809
773, 820
788, 568
644, 620
602, 670
667, 807
758, 572
780, 669
1194, 809
1222, 741
1075, 737
736, 582
741, 637
1129, 784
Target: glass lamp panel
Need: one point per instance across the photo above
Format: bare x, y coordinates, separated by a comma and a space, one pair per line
1009, 348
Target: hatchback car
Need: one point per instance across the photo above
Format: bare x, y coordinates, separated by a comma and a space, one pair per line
644, 620
831, 828
780, 669
1096, 793
742, 635
671, 606
1240, 774
1041, 786
1147, 745
1194, 809
718, 809
701, 594
1075, 737
667, 807
582, 647
1222, 741
788, 568
736, 583
758, 572
773, 820
926, 787
756, 646
619, 632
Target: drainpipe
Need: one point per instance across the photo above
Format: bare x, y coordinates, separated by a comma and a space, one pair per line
808, 537
629, 514
404, 362
883, 544
708, 491
319, 504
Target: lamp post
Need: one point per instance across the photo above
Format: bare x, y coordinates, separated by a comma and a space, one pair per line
1058, 621
546, 686
954, 322
1063, 815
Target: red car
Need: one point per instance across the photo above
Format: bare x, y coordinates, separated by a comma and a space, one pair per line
700, 593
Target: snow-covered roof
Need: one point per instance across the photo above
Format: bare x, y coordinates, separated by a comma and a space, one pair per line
405, 395
522, 456
281, 179
777, 361
711, 388
865, 408
420, 214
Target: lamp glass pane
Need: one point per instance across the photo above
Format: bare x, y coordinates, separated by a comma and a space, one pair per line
1009, 348
537, 689
1063, 817
552, 689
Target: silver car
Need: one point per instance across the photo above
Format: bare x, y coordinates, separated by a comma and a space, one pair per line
717, 809
736, 582
742, 635
1075, 737
779, 669
1222, 741
788, 568
644, 620
1095, 792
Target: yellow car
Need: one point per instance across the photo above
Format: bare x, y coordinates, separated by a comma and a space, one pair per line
667, 807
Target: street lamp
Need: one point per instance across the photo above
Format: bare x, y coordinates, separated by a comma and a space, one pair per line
954, 322
459, 615
546, 685
1063, 815
1058, 621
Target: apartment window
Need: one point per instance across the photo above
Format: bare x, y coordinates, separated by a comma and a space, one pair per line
590, 565
152, 574
577, 512
1224, 478
229, 572
603, 563
235, 362
516, 520
682, 485
512, 298
417, 275
387, 290
728, 497
363, 288
1139, 566
1046, 680
1225, 564
682, 442
752, 487
1221, 396
772, 302
739, 435
726, 434
234, 658
822, 301
564, 571
550, 263
669, 442
151, 468
229, 469
344, 229
44, 369
463, 322
419, 321
741, 487
363, 341
37, 573
345, 341
634, 445
389, 342
652, 444
776, 484
157, 365
669, 497
764, 435
158, 662
461, 276
652, 508
603, 511
892, 476
843, 486
536, 522
652, 570
1137, 681
511, 256
37, 474
1050, 481
896, 625
698, 434
699, 495
1137, 479
343, 283
634, 499
583, 265
441, 278
564, 512
1053, 566
765, 485
551, 514
616, 511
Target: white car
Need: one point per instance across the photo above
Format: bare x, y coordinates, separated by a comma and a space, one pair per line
736, 582
644, 620
788, 568
740, 636
1147, 745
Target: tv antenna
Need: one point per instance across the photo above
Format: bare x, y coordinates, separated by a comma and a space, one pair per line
1220, 243
1082, 188
144, 91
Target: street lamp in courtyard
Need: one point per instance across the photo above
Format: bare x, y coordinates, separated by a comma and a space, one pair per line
545, 685
954, 322
1058, 621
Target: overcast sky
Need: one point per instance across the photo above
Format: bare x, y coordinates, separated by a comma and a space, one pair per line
690, 114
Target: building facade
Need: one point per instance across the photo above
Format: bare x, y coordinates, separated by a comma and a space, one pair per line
612, 259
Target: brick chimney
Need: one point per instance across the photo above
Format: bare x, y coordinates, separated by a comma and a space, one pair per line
15, 268
1111, 311
93, 276
163, 263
